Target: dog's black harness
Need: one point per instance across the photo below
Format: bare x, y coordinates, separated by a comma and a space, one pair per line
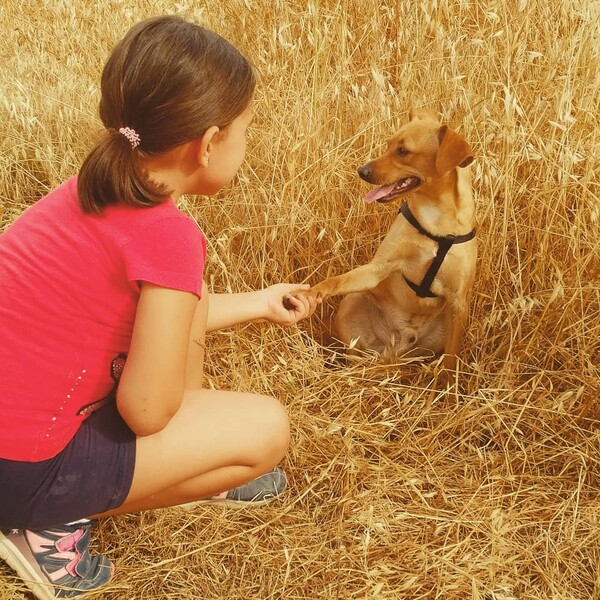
444, 243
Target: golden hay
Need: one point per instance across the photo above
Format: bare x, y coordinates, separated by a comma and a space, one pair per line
396, 491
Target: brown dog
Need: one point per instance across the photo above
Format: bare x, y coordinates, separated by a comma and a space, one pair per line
413, 295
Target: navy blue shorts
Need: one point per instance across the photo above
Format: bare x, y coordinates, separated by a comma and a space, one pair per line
91, 475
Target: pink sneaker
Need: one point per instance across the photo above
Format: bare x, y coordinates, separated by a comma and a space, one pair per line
55, 563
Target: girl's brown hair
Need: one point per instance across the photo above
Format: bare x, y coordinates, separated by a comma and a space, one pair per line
169, 80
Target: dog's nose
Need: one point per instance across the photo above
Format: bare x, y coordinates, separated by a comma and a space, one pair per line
365, 172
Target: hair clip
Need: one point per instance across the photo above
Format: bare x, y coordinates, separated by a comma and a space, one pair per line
131, 135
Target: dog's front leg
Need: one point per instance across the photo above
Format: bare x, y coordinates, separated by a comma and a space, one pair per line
363, 278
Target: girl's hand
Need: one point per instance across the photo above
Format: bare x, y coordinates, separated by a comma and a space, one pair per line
286, 304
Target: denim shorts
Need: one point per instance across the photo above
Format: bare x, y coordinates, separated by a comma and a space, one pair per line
91, 475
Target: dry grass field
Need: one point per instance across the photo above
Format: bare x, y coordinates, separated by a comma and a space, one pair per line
397, 491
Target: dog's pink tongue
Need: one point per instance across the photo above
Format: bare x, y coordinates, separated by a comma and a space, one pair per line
378, 193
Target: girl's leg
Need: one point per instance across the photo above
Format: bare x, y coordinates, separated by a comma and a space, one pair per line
216, 441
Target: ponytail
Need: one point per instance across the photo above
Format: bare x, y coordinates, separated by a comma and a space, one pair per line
164, 84
111, 173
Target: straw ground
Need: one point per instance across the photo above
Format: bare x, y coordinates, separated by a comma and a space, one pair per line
396, 491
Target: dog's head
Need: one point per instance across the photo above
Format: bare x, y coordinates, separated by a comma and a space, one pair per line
421, 152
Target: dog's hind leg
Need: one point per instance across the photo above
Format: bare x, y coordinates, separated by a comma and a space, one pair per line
357, 323
456, 315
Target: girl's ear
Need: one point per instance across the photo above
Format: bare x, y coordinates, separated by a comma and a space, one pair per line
206, 145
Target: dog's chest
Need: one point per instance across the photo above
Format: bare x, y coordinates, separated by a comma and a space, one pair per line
419, 254
435, 269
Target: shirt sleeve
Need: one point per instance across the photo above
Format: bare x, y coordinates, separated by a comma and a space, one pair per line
170, 252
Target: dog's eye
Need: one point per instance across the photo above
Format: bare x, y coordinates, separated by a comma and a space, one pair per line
402, 151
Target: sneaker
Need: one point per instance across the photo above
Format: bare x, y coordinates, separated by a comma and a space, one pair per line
55, 563
259, 491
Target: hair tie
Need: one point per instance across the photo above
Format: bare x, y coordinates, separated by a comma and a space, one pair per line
131, 135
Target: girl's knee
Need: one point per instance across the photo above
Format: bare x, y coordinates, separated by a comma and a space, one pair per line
276, 426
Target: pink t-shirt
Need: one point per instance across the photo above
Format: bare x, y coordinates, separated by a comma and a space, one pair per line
69, 288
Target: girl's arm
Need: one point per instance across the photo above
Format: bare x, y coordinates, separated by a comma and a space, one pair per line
194, 371
151, 387
166, 355
283, 304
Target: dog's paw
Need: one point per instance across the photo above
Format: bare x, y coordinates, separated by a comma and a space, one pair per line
447, 382
320, 291
444, 378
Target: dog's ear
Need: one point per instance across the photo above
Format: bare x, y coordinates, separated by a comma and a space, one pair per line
453, 151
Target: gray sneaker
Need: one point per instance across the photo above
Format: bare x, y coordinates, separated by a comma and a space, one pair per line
259, 491
55, 563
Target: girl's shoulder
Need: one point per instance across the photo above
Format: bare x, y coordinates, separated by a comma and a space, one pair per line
59, 210
162, 220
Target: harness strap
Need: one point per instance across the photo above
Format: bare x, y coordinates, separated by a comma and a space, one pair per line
423, 290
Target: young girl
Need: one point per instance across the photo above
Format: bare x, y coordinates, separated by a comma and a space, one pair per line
101, 284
